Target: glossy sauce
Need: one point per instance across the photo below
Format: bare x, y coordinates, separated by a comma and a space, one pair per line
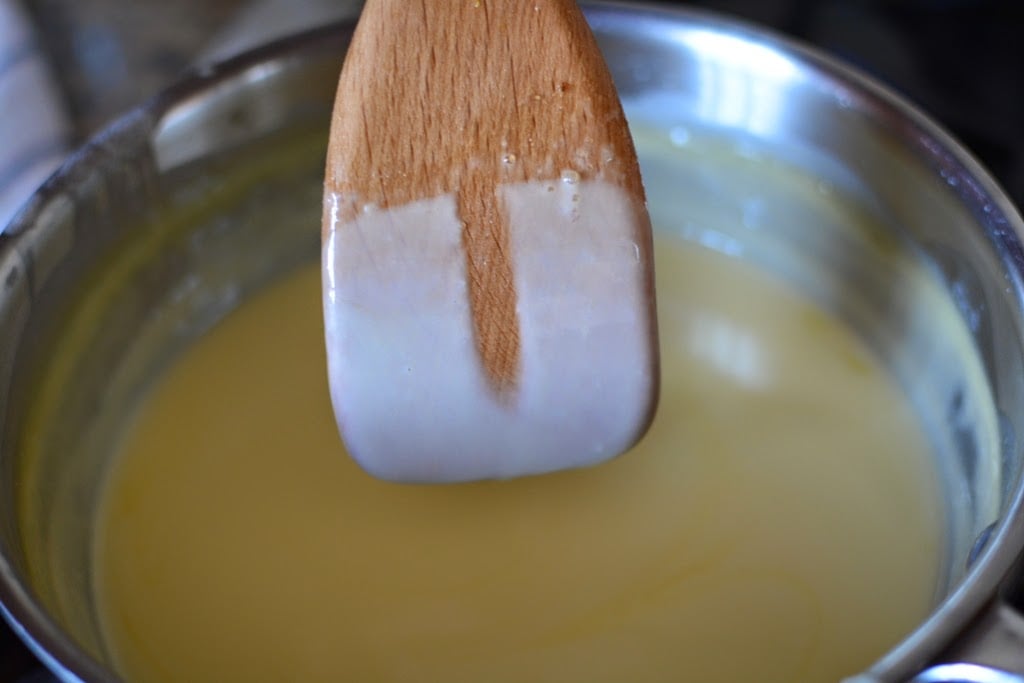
397, 298
779, 522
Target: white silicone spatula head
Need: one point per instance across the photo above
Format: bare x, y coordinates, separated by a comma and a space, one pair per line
488, 275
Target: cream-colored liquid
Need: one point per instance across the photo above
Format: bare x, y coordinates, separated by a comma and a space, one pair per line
778, 523
584, 333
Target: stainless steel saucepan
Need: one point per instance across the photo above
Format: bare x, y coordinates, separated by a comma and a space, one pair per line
149, 216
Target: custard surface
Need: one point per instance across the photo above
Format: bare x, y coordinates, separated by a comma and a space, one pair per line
779, 522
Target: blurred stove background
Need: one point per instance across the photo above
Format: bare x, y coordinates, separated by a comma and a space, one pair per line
960, 60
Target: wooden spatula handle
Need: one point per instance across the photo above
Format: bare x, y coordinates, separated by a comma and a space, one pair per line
530, 116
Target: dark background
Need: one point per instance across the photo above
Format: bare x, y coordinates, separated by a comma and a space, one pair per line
960, 60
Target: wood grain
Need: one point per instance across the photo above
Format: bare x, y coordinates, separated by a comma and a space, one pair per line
441, 97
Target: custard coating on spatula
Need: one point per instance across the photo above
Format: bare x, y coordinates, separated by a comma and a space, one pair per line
487, 257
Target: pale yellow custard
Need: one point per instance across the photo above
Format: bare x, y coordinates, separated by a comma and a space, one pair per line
780, 522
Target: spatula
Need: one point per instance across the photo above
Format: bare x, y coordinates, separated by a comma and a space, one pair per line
487, 257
